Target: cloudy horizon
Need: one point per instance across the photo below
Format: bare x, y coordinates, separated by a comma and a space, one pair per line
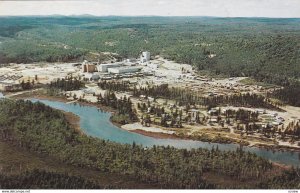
216, 8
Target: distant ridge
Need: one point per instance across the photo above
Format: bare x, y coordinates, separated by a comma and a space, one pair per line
143, 16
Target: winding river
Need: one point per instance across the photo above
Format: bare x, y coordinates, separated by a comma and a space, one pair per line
96, 123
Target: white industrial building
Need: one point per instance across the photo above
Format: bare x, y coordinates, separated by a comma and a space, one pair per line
125, 69
105, 67
145, 57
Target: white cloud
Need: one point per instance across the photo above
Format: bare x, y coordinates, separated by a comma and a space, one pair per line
223, 8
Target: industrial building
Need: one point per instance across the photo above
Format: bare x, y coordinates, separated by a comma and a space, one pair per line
125, 69
88, 67
105, 67
145, 57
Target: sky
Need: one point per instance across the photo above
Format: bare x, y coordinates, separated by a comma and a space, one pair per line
219, 8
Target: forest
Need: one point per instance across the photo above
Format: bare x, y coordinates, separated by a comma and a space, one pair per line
125, 113
37, 179
66, 84
38, 128
289, 94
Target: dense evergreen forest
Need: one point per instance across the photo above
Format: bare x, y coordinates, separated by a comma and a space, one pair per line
41, 129
289, 94
266, 49
288, 179
45, 180
125, 113
66, 84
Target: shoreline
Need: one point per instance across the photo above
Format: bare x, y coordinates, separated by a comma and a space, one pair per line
157, 135
71, 118
65, 100
74, 121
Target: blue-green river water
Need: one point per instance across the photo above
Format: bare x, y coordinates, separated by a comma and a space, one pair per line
96, 123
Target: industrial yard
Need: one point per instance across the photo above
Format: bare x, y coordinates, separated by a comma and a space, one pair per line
157, 71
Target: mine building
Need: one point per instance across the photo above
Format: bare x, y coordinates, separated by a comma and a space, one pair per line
145, 57
125, 69
88, 67
105, 67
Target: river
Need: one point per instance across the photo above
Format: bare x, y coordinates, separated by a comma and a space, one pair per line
96, 123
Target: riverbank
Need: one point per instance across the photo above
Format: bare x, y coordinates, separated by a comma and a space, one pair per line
74, 121
162, 135
157, 132
42, 96
157, 135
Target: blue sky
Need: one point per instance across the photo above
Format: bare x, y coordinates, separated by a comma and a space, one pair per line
222, 8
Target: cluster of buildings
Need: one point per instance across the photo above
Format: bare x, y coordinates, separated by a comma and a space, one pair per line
126, 68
